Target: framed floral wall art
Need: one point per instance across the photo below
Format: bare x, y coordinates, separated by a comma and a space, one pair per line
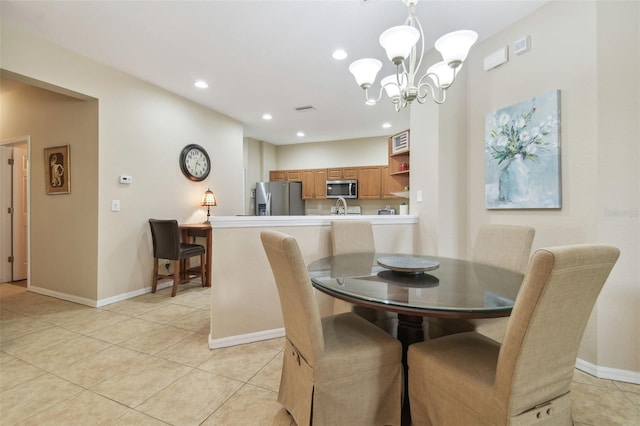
56, 170
522, 155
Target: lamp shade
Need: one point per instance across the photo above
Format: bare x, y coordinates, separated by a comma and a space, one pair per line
209, 199
365, 71
390, 84
444, 74
398, 41
454, 47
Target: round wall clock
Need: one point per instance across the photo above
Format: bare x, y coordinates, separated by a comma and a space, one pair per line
194, 162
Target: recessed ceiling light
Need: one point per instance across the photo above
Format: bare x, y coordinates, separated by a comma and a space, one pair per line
339, 55
386, 125
300, 134
201, 84
266, 116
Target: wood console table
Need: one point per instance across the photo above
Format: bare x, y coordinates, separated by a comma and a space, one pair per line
200, 230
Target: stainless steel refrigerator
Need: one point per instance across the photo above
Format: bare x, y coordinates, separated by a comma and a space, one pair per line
279, 199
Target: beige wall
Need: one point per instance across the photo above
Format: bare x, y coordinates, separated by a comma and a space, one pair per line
350, 152
64, 227
590, 51
142, 130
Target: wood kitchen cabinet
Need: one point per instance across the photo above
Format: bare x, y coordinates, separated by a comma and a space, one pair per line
343, 173
294, 175
277, 175
314, 184
369, 183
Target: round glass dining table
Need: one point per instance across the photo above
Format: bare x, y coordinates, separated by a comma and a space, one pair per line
418, 286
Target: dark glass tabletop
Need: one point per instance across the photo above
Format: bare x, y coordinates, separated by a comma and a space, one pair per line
418, 285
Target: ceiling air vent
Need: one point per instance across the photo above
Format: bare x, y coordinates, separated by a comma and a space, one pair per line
305, 108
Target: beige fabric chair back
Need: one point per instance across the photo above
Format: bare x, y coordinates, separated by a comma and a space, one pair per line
352, 236
540, 348
336, 370
506, 246
466, 378
298, 303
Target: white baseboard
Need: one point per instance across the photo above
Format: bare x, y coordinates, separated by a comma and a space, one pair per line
63, 296
245, 338
608, 373
93, 303
125, 296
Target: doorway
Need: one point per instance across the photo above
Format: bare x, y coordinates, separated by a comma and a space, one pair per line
14, 217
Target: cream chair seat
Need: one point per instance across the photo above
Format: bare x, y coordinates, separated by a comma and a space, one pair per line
505, 246
337, 370
469, 379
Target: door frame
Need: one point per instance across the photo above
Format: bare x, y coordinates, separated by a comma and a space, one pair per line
20, 140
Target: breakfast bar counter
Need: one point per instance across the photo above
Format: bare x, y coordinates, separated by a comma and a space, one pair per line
244, 299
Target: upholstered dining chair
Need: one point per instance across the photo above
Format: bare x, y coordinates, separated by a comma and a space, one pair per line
467, 378
167, 245
505, 246
356, 236
339, 369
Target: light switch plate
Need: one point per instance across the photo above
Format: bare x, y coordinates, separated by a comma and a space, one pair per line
115, 205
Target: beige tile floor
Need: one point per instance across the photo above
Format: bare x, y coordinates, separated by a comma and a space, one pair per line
145, 361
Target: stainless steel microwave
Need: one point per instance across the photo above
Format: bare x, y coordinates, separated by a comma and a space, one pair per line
342, 188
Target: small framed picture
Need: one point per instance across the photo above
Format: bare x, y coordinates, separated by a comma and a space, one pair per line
400, 142
56, 170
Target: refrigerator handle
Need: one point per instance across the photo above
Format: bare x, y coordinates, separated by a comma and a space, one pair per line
268, 204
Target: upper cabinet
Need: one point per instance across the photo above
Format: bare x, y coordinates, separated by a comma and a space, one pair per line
277, 175
314, 184
369, 183
294, 175
342, 173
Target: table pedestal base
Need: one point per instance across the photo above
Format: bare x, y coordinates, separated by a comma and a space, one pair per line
409, 332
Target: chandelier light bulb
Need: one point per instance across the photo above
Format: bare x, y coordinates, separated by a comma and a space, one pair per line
365, 71
454, 47
398, 42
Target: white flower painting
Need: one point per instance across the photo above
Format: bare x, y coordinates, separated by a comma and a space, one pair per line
522, 155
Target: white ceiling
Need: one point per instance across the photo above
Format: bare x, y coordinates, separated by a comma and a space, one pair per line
258, 56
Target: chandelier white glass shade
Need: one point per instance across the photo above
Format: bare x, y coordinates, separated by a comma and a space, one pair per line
404, 46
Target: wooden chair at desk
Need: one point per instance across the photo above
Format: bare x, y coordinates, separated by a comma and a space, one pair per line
167, 245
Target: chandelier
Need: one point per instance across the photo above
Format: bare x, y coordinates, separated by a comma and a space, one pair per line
401, 46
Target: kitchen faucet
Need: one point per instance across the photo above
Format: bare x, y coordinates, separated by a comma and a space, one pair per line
344, 203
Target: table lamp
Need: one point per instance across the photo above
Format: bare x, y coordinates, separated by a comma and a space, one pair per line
208, 199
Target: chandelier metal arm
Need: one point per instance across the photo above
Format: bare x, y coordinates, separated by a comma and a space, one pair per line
372, 101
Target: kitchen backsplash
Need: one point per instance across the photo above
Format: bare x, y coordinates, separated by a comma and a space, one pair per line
367, 207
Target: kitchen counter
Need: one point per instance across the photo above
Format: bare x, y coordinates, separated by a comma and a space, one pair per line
307, 220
